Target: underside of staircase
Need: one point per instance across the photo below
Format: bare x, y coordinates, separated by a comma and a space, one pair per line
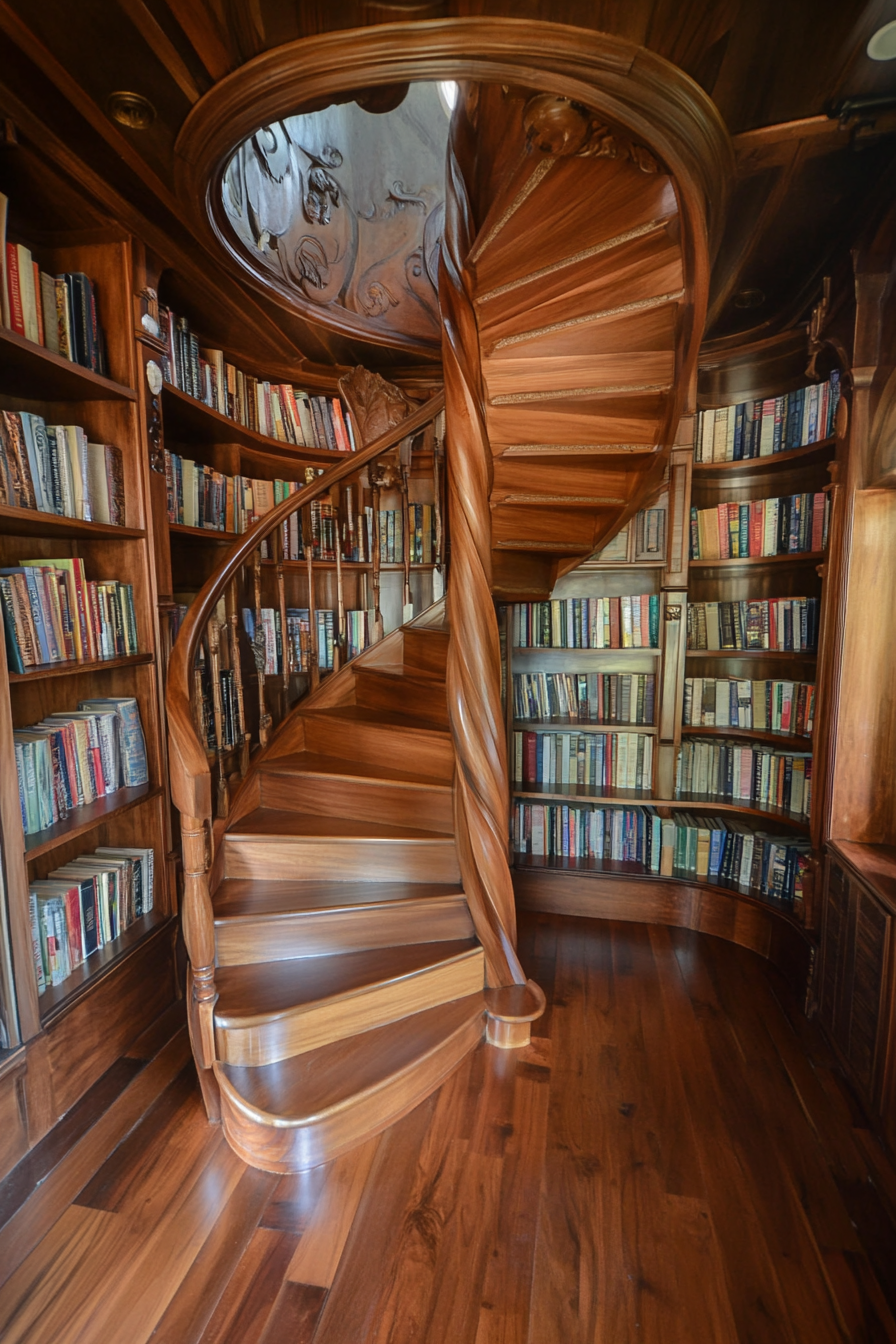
349, 979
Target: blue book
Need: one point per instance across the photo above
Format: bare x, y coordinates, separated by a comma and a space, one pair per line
739, 418
132, 744
37, 467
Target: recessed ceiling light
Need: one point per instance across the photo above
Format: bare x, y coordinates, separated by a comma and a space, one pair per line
131, 110
882, 44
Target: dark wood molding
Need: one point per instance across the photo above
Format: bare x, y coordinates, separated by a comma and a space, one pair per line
656, 102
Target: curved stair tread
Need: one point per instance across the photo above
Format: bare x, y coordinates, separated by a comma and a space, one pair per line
403, 672
309, 1109
302, 1089
314, 763
257, 994
244, 898
278, 823
384, 718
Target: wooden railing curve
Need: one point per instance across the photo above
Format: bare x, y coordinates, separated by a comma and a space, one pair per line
188, 764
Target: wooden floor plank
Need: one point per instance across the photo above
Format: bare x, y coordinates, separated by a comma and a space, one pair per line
675, 1159
35, 1218
245, 1306
192, 1306
320, 1248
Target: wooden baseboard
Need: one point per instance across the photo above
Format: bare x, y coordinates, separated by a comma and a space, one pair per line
703, 908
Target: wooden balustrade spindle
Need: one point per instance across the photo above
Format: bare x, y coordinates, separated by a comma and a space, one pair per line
258, 648
286, 663
339, 642
199, 935
214, 651
313, 651
378, 630
236, 663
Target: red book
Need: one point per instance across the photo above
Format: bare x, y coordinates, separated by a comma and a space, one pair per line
339, 429
645, 621
73, 924
818, 521
773, 623
724, 531
16, 313
530, 758
755, 527
615, 627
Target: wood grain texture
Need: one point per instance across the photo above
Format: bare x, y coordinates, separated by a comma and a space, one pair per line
675, 1157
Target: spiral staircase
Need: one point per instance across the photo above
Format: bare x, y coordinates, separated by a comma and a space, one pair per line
354, 936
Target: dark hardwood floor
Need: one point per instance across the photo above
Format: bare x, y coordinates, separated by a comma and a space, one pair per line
674, 1158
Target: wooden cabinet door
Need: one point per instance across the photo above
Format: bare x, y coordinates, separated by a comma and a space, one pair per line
855, 981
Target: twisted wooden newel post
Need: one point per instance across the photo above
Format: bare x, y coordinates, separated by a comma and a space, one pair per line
481, 796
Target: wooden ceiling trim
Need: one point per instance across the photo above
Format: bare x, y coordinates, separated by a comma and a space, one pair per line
653, 100
34, 49
204, 36
160, 43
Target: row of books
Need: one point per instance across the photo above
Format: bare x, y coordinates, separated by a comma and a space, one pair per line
584, 697
774, 425
199, 496
759, 775
788, 623
760, 863
629, 622
52, 613
642, 539
56, 311
84, 906
277, 410
54, 469
298, 625
772, 706
783, 526
591, 760
73, 757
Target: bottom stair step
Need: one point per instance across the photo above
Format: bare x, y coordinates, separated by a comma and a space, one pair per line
270, 1012
304, 1111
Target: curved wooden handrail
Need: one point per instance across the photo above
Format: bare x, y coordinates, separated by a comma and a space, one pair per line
187, 762
190, 775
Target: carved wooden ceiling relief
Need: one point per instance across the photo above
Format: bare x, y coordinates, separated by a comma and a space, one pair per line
344, 208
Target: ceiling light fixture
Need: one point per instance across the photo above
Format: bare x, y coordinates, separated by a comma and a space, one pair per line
882, 44
131, 110
749, 298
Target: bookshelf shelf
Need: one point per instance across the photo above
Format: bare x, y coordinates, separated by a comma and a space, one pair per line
795, 740
704, 803
626, 871
571, 793
204, 533
84, 819
805, 456
191, 420
57, 998
762, 561
581, 726
554, 651
31, 523
800, 655
30, 370
44, 671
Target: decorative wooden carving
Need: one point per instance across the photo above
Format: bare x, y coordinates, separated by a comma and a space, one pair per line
341, 208
376, 406
562, 126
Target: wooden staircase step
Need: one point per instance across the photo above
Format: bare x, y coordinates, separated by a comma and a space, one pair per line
307, 781
279, 921
524, 369
304, 1111
271, 1012
425, 647
285, 844
409, 690
358, 732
